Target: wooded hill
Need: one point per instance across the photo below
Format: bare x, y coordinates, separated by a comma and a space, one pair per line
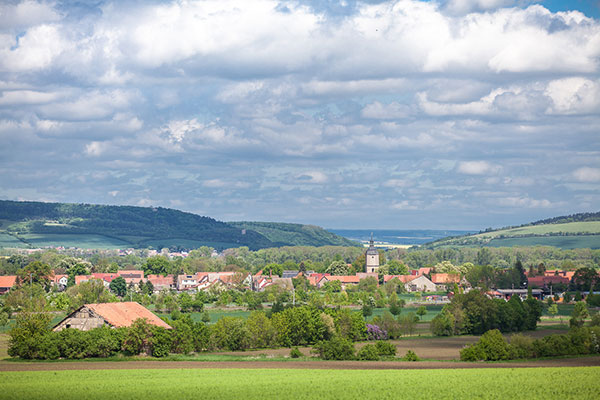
567, 232
37, 224
284, 234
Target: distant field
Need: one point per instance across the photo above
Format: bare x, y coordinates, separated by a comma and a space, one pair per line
563, 242
529, 383
592, 227
74, 240
7, 240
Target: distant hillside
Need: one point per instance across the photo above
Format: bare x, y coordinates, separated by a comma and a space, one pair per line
36, 224
294, 234
567, 232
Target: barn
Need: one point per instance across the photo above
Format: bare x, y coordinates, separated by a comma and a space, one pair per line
115, 315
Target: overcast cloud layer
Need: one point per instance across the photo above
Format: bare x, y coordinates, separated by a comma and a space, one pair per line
378, 114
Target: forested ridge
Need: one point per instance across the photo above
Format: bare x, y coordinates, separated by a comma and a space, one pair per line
141, 226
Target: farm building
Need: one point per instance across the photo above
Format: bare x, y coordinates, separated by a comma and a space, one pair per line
116, 315
7, 283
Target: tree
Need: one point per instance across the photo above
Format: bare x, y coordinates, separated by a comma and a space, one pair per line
484, 256
35, 272
273, 269
92, 291
579, 314
77, 269
27, 335
396, 267
421, 311
158, 265
118, 286
338, 268
553, 310
585, 279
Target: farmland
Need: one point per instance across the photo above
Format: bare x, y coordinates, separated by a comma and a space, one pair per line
533, 383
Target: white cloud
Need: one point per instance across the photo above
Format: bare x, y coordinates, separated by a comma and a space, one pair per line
96, 149
15, 97
377, 110
467, 6
525, 202
574, 95
404, 205
96, 104
312, 177
27, 13
36, 50
477, 167
587, 174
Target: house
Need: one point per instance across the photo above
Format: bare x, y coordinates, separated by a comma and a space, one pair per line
106, 278
344, 280
82, 278
115, 315
132, 276
445, 281
60, 281
290, 274
186, 282
413, 283
547, 282
522, 293
161, 282
7, 283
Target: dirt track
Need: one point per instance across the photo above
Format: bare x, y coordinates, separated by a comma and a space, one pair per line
95, 365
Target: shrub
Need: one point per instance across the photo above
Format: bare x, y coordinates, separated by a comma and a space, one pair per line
368, 352
161, 342
443, 324
521, 346
494, 345
385, 348
26, 336
335, 349
49, 349
137, 338
374, 332
472, 353
73, 343
103, 342
182, 341
229, 333
410, 356
296, 353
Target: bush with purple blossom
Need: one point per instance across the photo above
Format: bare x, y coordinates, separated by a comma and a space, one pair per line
374, 332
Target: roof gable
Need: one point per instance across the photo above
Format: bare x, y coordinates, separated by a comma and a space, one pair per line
124, 314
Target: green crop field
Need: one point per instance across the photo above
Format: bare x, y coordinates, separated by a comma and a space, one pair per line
563, 242
74, 240
591, 227
7, 240
527, 383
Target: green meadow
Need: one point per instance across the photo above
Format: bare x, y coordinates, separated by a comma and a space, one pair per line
492, 383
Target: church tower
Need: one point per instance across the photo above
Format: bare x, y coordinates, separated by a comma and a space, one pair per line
372, 258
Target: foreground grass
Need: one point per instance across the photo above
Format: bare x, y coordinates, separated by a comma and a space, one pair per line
534, 383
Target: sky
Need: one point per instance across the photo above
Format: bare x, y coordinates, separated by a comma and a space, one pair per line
456, 114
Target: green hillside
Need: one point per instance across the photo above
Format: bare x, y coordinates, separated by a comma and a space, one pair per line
294, 234
569, 232
36, 224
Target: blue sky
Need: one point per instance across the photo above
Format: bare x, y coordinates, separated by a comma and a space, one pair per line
458, 114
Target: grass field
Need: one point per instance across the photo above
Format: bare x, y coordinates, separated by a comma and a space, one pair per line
530, 383
592, 227
73, 240
7, 240
563, 242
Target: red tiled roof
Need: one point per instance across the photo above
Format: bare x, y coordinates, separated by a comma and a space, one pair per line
344, 278
8, 281
544, 280
104, 276
401, 278
124, 314
445, 278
